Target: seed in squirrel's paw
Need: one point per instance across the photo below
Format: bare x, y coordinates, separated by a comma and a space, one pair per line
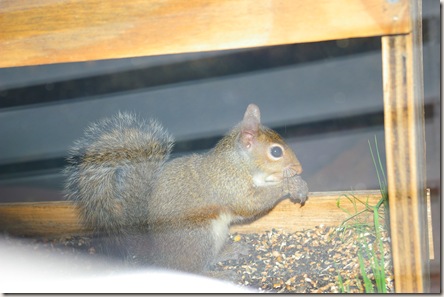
298, 189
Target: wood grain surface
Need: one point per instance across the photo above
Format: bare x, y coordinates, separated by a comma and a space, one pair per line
61, 217
405, 152
55, 31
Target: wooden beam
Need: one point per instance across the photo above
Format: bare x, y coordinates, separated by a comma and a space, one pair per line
61, 218
405, 149
55, 31
50, 219
320, 209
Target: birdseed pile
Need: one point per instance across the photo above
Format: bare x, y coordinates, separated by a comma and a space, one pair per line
311, 261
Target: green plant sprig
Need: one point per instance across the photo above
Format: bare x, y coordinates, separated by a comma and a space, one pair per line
377, 261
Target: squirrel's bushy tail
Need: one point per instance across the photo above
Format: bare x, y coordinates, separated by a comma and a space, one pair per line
106, 168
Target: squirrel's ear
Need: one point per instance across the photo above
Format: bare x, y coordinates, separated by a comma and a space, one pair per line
250, 126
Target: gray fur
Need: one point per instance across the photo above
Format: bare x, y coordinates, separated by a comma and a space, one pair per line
174, 214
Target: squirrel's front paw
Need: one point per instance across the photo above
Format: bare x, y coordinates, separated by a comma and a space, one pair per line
297, 189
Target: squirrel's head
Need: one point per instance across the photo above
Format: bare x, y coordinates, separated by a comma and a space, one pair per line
272, 161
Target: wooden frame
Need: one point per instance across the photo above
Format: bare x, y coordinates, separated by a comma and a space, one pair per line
405, 149
55, 31
83, 30
61, 217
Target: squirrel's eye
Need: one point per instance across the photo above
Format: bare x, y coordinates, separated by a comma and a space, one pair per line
276, 151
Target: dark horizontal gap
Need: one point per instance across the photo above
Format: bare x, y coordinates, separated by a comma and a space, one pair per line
182, 147
311, 129
255, 59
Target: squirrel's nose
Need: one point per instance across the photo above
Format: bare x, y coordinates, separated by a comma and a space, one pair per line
296, 168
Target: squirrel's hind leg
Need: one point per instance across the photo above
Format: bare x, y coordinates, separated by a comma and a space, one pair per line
187, 249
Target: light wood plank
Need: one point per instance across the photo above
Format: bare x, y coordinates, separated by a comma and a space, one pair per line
320, 209
55, 31
405, 149
50, 219
61, 218
430, 226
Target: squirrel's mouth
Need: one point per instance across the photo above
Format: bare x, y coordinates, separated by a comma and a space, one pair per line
274, 178
262, 180
278, 177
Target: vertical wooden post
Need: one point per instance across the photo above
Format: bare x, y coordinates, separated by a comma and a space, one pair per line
405, 148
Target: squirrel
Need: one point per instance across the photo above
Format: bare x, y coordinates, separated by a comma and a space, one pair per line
177, 213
